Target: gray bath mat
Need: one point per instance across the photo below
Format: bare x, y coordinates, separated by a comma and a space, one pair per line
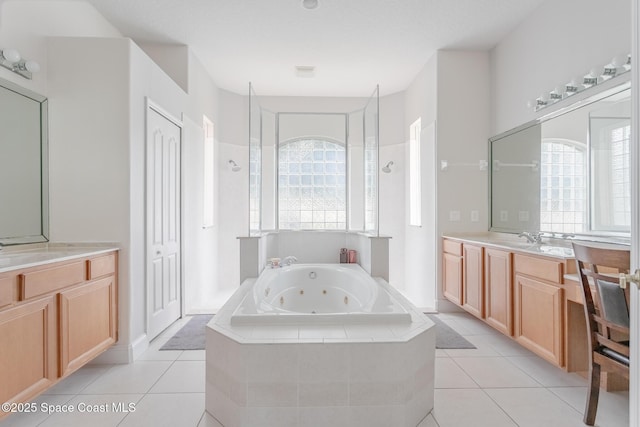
191, 336
447, 337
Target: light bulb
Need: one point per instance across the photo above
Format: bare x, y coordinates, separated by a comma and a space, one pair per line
557, 93
11, 55
32, 66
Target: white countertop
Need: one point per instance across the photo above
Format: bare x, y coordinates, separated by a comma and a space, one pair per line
553, 247
24, 256
557, 248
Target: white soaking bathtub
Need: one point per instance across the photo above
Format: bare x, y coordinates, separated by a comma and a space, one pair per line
318, 293
312, 344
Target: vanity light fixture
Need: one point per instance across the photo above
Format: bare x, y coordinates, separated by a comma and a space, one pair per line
574, 86
620, 64
234, 166
11, 60
10, 55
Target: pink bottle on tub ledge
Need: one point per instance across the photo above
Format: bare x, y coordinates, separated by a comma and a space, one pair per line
352, 256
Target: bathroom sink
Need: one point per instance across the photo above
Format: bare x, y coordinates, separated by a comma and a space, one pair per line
556, 250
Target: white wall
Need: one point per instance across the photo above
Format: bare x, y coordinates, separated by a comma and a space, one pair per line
420, 280
200, 245
391, 194
560, 40
25, 25
97, 156
89, 153
451, 97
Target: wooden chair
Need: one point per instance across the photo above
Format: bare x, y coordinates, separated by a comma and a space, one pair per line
606, 309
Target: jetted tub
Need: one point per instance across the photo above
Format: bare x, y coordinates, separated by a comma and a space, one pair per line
312, 344
328, 293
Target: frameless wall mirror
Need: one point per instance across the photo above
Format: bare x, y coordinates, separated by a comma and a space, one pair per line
567, 173
23, 166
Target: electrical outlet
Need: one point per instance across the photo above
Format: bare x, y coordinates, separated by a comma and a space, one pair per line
475, 216
454, 216
504, 216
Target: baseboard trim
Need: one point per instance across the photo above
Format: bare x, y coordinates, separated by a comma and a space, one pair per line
121, 354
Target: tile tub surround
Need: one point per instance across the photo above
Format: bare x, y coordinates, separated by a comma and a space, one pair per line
351, 375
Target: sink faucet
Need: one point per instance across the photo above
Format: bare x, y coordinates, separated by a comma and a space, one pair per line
535, 237
288, 260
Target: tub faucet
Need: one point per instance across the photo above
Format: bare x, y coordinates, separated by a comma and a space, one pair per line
531, 237
288, 260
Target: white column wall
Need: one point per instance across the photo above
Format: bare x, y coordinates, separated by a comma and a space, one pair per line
420, 282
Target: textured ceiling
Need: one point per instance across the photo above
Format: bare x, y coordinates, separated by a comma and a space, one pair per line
354, 44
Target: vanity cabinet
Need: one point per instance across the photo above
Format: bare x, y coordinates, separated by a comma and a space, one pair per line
54, 318
28, 349
538, 306
499, 290
519, 294
538, 322
473, 279
452, 271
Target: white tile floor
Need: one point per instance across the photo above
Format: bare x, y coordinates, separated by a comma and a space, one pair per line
497, 384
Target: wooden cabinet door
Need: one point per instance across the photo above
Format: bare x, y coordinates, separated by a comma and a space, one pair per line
87, 322
28, 349
498, 290
473, 280
538, 318
452, 278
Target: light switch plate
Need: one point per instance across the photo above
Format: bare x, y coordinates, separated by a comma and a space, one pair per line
504, 216
475, 216
454, 216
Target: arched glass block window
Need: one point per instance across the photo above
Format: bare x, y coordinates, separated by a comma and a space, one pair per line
563, 186
312, 185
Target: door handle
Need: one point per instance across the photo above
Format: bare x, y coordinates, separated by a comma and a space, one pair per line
626, 278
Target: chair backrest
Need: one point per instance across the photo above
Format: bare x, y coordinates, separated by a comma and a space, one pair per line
606, 303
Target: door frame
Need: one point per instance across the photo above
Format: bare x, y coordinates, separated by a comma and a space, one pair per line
152, 105
634, 383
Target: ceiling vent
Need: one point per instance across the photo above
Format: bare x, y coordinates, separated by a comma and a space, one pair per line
305, 71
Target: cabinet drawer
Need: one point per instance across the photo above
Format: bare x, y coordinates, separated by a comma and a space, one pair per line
541, 268
51, 279
101, 266
452, 247
7, 284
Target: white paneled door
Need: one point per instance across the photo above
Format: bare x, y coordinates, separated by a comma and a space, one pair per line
163, 221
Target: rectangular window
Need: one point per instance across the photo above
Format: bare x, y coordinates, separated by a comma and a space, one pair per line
208, 173
610, 158
415, 199
311, 185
